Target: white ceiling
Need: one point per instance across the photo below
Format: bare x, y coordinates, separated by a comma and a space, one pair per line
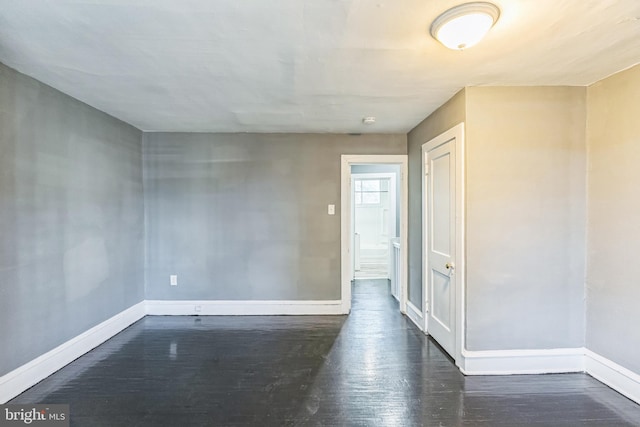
301, 65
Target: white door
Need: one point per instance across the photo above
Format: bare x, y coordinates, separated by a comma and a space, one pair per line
440, 240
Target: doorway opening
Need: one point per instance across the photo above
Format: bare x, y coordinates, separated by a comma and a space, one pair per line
374, 224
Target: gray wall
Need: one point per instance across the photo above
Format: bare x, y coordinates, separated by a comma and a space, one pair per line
525, 213
444, 118
244, 216
394, 169
613, 290
71, 218
525, 217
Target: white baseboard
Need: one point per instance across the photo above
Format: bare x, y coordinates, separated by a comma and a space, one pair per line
31, 373
415, 315
563, 360
493, 362
243, 308
512, 362
615, 376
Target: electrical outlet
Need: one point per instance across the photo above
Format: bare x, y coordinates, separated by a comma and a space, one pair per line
198, 308
173, 279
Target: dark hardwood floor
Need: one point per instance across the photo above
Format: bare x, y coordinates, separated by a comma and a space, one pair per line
372, 368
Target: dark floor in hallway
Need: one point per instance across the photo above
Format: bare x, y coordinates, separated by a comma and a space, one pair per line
372, 368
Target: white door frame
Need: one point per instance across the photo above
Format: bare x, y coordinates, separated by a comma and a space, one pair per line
456, 132
348, 160
393, 199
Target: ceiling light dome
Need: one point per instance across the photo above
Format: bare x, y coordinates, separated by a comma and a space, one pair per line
465, 25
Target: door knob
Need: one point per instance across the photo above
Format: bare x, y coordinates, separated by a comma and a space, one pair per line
449, 266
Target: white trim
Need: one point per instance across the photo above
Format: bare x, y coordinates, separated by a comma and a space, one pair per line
242, 308
516, 362
560, 360
31, 373
415, 315
404, 233
395, 278
345, 221
458, 133
615, 376
461, 248
423, 242
489, 362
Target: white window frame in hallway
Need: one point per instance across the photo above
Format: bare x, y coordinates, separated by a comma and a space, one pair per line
346, 227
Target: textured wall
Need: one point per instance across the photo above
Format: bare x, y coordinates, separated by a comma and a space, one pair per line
441, 120
244, 216
613, 290
71, 218
525, 211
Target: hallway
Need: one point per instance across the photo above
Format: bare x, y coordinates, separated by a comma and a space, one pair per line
372, 368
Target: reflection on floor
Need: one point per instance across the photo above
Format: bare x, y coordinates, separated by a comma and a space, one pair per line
372, 368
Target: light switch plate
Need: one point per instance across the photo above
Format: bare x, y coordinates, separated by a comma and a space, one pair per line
331, 210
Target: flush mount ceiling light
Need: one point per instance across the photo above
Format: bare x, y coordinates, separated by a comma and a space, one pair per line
465, 25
